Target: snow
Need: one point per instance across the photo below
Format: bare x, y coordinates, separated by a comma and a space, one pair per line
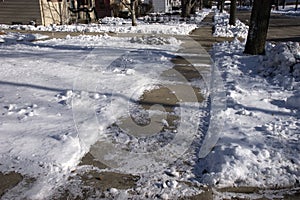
223, 29
289, 10
60, 96
282, 64
118, 25
51, 91
259, 144
17, 37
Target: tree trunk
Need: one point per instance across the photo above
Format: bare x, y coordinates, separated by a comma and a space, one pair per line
296, 7
132, 11
221, 5
200, 4
283, 4
258, 28
251, 3
277, 4
232, 18
186, 7
60, 14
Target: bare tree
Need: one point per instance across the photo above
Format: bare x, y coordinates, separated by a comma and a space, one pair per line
187, 6
283, 4
221, 5
258, 28
131, 6
201, 4
58, 11
277, 4
251, 3
232, 18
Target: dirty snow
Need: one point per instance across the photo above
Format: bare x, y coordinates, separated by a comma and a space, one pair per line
260, 142
50, 91
117, 25
223, 29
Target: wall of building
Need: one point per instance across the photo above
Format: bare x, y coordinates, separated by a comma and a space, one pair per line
55, 12
159, 5
20, 11
103, 8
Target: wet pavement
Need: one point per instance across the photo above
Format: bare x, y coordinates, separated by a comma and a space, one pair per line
281, 28
188, 69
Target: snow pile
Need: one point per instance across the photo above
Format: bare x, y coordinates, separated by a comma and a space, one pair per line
154, 40
294, 101
92, 41
114, 21
118, 25
260, 143
17, 37
288, 10
47, 85
223, 29
171, 29
282, 64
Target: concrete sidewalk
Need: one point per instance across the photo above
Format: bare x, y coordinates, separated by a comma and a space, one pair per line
193, 63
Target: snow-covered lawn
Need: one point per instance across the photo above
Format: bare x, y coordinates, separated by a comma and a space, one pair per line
49, 87
51, 91
260, 141
223, 29
116, 25
288, 10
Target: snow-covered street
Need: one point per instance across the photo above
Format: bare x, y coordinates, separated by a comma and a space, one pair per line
157, 107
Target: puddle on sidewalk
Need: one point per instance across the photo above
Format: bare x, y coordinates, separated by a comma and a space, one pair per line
107, 180
8, 181
163, 99
89, 159
183, 71
93, 180
159, 104
170, 96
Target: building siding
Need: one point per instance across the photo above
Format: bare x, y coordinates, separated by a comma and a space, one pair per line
54, 12
20, 11
161, 6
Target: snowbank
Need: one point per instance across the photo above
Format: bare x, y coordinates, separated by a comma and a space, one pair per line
282, 64
294, 101
259, 146
223, 29
118, 25
288, 10
17, 37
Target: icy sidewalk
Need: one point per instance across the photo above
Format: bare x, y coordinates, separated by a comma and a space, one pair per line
163, 122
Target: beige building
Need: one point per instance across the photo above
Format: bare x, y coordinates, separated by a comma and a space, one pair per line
46, 12
43, 12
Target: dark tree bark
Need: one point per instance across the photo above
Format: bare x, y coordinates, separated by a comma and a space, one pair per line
251, 3
187, 6
296, 6
132, 8
283, 4
221, 5
232, 18
200, 4
206, 3
258, 28
277, 4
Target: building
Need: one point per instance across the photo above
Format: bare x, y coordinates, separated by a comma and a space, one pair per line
18, 11
45, 12
162, 6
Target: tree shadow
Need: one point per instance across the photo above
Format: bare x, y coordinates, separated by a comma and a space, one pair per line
108, 94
